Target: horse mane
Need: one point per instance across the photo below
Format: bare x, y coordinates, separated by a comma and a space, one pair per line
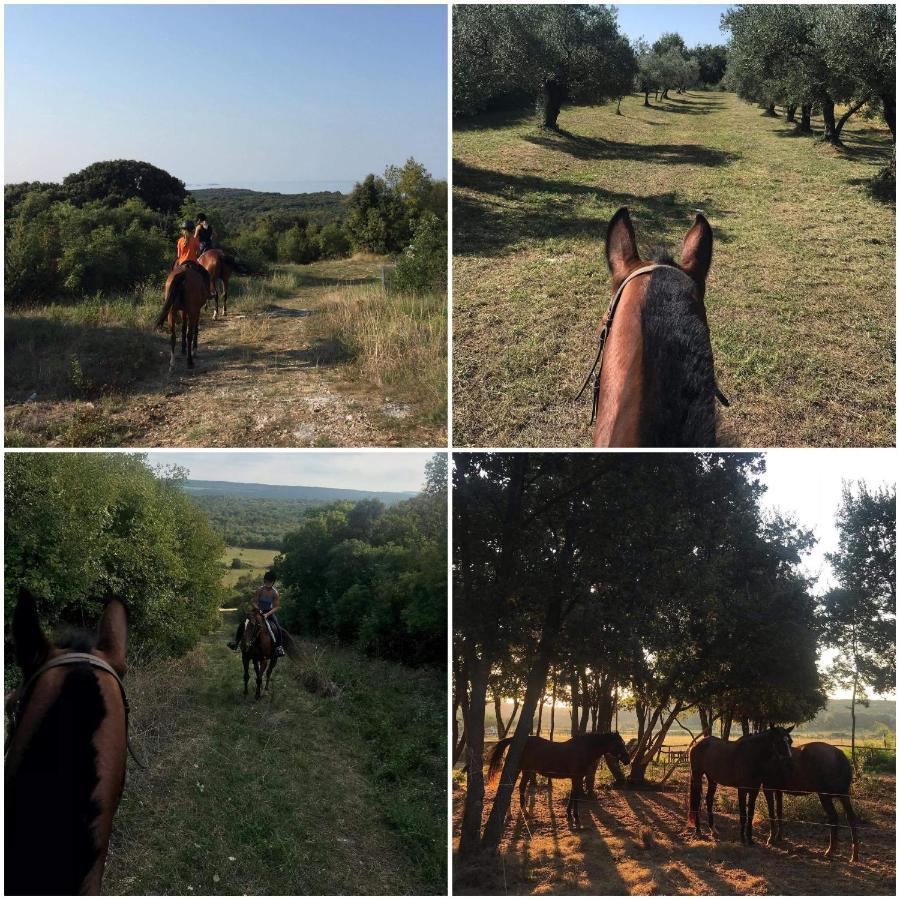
679, 377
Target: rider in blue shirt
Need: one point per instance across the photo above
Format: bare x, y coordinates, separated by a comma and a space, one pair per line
267, 601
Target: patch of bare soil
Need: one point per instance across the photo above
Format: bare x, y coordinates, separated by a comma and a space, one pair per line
637, 842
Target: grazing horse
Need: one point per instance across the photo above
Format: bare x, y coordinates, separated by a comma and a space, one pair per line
257, 645
655, 385
221, 266
742, 764
814, 768
65, 760
571, 759
186, 294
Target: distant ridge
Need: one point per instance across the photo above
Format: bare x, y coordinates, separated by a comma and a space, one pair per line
253, 491
242, 206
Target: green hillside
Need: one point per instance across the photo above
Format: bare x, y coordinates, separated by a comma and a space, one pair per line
240, 207
311, 494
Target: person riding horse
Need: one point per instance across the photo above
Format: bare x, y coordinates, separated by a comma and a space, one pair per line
188, 251
267, 601
204, 233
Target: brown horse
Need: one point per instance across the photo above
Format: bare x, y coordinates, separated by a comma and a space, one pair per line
655, 384
186, 293
571, 759
65, 762
221, 266
814, 768
257, 645
742, 764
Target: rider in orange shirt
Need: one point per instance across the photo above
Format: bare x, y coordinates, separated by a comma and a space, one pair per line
189, 250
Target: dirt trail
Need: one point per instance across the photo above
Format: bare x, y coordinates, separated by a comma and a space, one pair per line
244, 797
262, 379
637, 842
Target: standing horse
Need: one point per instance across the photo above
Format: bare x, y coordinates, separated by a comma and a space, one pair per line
742, 764
221, 266
257, 645
814, 768
655, 385
65, 759
186, 294
571, 759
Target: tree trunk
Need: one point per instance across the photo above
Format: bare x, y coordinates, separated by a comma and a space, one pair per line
644, 755
890, 112
843, 119
535, 686
646, 98
554, 94
553, 707
619, 107
805, 117
540, 716
473, 807
726, 725
498, 718
791, 113
665, 94
830, 134
853, 726
745, 726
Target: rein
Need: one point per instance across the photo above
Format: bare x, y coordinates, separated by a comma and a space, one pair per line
597, 366
72, 659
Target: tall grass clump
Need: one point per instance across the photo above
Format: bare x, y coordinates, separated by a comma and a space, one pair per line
395, 340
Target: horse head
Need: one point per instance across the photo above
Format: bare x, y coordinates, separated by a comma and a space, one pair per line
621, 750
780, 742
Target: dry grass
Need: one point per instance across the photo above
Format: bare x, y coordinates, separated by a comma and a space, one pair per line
801, 294
637, 842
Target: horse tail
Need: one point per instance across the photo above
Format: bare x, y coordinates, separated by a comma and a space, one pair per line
497, 757
174, 297
236, 265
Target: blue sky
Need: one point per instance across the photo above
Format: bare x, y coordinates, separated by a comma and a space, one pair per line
697, 23
241, 96
393, 470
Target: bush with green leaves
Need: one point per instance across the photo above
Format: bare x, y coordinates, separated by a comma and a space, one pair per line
423, 265
80, 526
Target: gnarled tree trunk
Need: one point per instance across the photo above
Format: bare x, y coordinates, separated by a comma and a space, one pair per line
830, 133
554, 94
790, 112
805, 117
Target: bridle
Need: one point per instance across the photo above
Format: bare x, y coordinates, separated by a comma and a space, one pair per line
597, 365
70, 659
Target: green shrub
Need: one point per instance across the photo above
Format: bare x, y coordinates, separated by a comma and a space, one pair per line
423, 266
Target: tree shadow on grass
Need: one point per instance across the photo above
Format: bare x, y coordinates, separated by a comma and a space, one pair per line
493, 212
589, 148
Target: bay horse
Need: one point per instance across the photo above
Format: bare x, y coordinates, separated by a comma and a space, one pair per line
572, 759
221, 266
741, 764
257, 645
655, 384
814, 768
65, 757
186, 293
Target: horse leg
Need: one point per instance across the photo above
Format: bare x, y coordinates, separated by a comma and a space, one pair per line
224, 296
831, 812
259, 677
779, 809
184, 325
574, 797
773, 823
272, 663
710, 800
851, 820
196, 332
751, 811
191, 337
742, 810
172, 354
246, 673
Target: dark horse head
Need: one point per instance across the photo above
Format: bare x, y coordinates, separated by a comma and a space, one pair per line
656, 385
65, 764
779, 742
609, 742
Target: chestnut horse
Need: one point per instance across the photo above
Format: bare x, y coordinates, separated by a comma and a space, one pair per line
186, 293
221, 267
742, 764
814, 768
257, 645
655, 384
571, 759
65, 759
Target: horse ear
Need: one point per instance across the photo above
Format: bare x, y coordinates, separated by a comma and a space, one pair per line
32, 646
696, 251
113, 635
621, 246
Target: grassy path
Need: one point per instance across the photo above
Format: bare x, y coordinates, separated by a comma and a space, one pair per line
96, 375
801, 294
279, 796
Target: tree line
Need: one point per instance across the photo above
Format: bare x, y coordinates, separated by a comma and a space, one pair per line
657, 584
809, 58
372, 576
79, 526
114, 225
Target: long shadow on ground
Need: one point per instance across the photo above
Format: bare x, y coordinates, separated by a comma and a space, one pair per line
493, 211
